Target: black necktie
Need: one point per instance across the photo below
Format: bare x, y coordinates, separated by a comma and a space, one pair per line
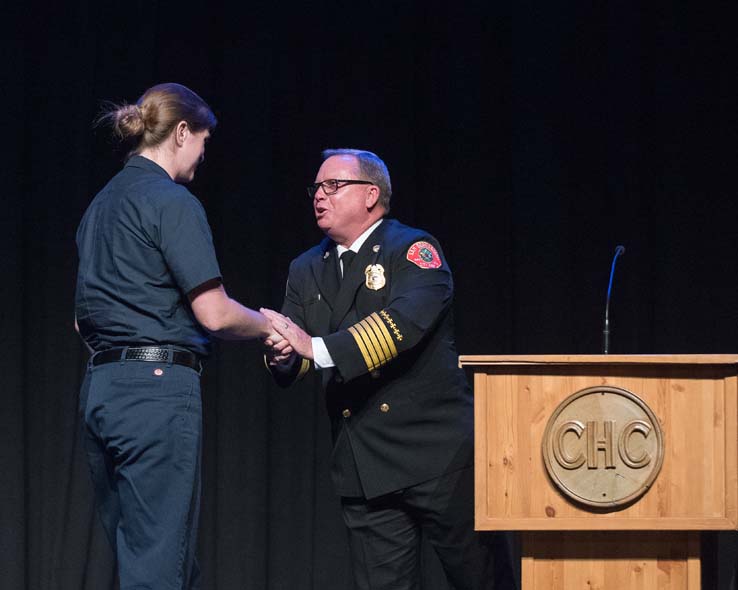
346, 258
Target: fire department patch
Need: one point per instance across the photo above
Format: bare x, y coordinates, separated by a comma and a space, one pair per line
424, 255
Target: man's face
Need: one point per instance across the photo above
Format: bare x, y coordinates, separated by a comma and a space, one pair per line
340, 213
193, 153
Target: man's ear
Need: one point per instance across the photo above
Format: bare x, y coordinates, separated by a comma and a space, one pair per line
181, 131
372, 197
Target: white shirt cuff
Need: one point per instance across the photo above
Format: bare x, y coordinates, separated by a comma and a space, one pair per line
321, 356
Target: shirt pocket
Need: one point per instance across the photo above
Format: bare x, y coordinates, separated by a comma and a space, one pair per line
316, 312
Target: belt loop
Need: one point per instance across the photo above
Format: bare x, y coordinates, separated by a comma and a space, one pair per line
170, 355
123, 352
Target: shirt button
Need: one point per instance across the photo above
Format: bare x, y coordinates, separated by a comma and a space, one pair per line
384, 407
346, 413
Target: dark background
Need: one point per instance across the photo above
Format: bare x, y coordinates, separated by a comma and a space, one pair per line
530, 138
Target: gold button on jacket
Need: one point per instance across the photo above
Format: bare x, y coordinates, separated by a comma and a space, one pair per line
384, 407
346, 413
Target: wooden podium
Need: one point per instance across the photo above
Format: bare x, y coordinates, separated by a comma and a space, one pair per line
545, 468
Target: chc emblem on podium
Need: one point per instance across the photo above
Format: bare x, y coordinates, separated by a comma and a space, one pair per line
603, 447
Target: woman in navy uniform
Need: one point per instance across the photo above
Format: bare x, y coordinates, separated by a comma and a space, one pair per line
149, 295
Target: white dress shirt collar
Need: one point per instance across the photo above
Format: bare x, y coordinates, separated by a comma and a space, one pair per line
358, 242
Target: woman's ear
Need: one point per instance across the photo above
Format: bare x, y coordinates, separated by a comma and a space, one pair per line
181, 131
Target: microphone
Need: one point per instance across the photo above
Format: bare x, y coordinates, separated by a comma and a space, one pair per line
606, 330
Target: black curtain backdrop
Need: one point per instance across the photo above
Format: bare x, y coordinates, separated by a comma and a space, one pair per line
530, 137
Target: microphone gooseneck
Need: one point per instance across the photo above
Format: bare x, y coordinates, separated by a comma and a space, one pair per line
606, 330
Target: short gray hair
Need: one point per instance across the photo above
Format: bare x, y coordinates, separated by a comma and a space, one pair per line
372, 168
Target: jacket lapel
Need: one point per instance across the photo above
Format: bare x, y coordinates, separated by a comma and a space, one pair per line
325, 270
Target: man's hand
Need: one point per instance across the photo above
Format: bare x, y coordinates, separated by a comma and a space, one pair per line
299, 340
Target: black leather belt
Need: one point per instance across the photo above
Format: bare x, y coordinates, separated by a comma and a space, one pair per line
152, 354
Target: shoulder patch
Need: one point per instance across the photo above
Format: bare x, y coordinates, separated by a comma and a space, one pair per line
424, 255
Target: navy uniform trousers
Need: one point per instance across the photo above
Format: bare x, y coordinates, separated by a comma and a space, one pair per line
142, 425
385, 537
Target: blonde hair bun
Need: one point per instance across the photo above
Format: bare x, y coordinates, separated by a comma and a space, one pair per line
128, 121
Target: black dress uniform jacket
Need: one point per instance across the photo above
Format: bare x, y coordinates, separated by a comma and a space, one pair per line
400, 407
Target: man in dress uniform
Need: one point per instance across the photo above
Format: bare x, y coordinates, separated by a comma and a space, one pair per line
370, 308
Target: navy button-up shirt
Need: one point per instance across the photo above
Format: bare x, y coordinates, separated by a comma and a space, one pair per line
144, 243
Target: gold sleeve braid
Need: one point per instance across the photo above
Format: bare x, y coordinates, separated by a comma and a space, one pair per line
304, 368
374, 341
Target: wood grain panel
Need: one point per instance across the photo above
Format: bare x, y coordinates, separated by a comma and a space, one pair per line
614, 560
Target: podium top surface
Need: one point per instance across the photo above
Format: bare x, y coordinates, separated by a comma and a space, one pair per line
468, 360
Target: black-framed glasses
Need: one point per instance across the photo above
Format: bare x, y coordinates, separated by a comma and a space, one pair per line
332, 185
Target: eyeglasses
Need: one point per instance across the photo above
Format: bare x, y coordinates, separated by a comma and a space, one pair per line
332, 185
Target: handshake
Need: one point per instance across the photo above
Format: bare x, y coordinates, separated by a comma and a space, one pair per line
286, 340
